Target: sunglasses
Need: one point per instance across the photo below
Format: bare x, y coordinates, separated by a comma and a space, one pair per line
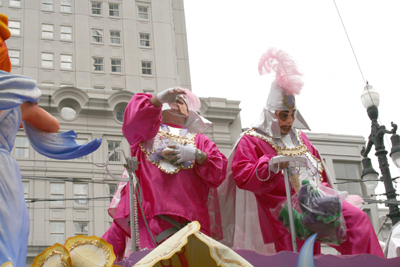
284, 115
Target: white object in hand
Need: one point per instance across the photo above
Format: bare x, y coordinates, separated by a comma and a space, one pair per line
185, 153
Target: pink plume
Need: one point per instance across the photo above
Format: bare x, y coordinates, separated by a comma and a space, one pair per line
287, 75
355, 200
193, 100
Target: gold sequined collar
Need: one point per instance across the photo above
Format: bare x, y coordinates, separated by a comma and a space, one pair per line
282, 149
166, 136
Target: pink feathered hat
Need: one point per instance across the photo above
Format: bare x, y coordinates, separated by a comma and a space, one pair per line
286, 85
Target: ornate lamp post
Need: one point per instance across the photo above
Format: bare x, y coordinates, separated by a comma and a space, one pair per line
370, 100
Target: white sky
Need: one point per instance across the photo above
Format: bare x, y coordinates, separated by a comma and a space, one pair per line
227, 37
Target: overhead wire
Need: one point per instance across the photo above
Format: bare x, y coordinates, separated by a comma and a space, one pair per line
74, 207
33, 200
72, 180
359, 67
348, 38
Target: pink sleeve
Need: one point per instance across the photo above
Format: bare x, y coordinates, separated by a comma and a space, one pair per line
250, 156
315, 152
141, 120
213, 170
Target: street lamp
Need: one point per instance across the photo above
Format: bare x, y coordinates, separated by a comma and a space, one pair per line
369, 175
395, 153
370, 100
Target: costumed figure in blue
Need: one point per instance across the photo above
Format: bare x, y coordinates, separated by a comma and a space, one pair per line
18, 106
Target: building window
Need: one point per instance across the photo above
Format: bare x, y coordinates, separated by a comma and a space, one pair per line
115, 65
113, 10
97, 36
146, 68
25, 187
81, 142
66, 33
111, 146
98, 87
57, 230
112, 188
14, 57
81, 228
21, 147
47, 60
81, 191
65, 6
143, 13
66, 62
115, 37
68, 113
348, 177
14, 27
120, 115
98, 64
96, 8
145, 39
57, 192
47, 31
15, 3
47, 5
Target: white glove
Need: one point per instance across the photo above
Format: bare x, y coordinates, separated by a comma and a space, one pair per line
185, 153
169, 95
278, 166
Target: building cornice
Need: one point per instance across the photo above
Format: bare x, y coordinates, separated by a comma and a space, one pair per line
220, 109
333, 138
119, 97
70, 92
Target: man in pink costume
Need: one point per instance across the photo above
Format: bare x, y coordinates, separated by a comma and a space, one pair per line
179, 168
277, 133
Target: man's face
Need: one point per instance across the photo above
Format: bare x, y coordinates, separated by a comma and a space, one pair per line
179, 108
286, 119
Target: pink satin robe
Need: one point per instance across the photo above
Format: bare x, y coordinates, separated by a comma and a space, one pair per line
254, 153
181, 195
